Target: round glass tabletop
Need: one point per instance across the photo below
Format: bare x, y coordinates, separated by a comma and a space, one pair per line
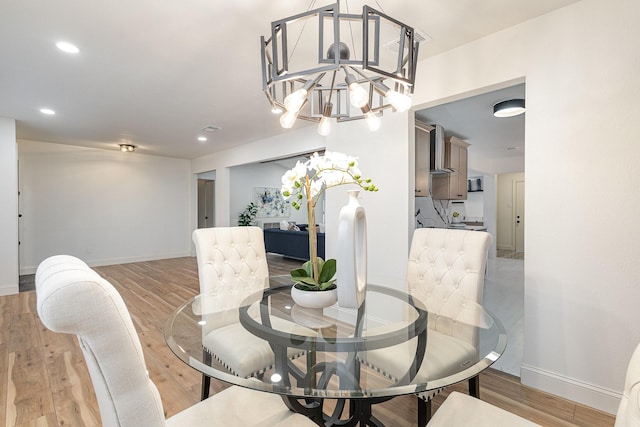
391, 345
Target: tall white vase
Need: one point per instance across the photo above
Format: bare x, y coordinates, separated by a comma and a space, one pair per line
352, 253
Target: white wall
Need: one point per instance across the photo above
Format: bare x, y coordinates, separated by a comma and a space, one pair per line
581, 277
474, 205
105, 207
8, 207
385, 156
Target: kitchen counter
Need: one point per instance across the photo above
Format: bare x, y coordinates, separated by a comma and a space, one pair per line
468, 227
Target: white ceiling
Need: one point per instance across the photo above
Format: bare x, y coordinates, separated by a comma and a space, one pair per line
155, 73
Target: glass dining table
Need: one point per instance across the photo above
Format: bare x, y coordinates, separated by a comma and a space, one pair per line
345, 360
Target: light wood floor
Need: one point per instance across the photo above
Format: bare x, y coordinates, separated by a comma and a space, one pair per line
44, 381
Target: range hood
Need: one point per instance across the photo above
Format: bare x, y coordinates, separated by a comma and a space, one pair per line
437, 164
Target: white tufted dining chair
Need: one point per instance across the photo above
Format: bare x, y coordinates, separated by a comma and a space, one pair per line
628, 414
459, 410
72, 298
232, 265
445, 271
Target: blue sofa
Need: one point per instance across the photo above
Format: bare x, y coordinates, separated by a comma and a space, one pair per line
291, 244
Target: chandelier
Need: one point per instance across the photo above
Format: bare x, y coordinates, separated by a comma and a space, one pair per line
322, 65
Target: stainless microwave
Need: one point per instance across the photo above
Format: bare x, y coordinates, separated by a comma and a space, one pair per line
474, 184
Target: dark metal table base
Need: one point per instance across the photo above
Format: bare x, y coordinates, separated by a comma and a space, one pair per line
360, 411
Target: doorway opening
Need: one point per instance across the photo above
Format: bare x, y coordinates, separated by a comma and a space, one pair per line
206, 200
497, 148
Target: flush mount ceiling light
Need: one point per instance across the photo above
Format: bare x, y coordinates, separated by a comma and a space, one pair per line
322, 65
127, 148
509, 108
47, 111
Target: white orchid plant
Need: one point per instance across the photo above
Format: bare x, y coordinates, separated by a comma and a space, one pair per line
308, 181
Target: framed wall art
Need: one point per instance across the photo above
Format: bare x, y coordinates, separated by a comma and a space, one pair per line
270, 203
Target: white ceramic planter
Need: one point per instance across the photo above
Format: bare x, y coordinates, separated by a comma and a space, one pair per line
314, 299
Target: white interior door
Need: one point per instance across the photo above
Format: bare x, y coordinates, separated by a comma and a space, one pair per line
519, 216
205, 203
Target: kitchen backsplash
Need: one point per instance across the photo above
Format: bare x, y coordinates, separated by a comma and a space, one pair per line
438, 213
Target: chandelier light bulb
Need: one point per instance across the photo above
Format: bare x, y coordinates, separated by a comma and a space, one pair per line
399, 101
293, 102
357, 95
288, 119
373, 121
324, 127
275, 109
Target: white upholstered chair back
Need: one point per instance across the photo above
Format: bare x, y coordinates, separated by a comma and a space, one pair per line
74, 299
446, 271
629, 410
232, 265
231, 260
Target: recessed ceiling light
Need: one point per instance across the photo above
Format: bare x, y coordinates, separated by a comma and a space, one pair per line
47, 111
202, 138
67, 47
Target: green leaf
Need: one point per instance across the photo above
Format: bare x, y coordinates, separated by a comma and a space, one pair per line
328, 271
307, 281
328, 285
308, 268
304, 276
299, 272
305, 287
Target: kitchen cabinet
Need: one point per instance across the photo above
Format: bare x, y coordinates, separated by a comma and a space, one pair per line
452, 186
422, 161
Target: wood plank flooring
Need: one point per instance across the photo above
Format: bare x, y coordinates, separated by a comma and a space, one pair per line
44, 381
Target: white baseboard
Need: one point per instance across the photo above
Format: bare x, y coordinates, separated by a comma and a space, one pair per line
587, 394
9, 289
114, 261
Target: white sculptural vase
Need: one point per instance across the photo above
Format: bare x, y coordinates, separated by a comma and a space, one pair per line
352, 253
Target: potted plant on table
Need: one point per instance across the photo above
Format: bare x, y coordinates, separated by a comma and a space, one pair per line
305, 183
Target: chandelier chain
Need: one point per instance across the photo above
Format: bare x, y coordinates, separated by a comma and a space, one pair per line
353, 43
380, 6
313, 2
